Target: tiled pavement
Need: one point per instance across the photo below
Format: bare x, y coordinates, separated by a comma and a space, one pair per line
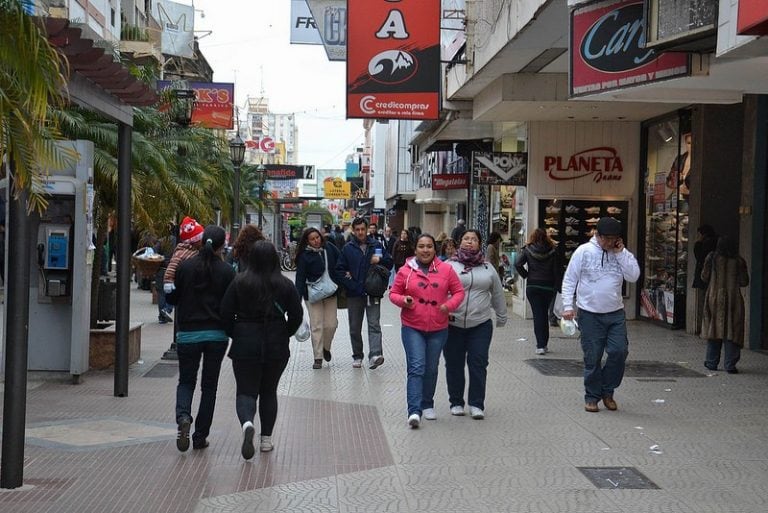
342, 444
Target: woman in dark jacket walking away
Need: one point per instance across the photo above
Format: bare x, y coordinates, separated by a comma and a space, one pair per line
723, 323
313, 256
402, 250
261, 310
249, 234
539, 264
200, 283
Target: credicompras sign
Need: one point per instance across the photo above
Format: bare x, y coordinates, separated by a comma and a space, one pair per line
602, 164
608, 49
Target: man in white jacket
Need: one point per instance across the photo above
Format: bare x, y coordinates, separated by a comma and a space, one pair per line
595, 275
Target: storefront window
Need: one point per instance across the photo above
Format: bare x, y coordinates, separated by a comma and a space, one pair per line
666, 187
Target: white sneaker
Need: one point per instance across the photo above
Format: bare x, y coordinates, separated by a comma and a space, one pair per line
541, 350
414, 421
375, 361
356, 364
476, 413
457, 410
429, 414
265, 445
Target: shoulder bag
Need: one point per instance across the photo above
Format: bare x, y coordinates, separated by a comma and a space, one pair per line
322, 288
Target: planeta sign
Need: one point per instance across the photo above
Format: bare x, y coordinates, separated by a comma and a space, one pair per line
601, 164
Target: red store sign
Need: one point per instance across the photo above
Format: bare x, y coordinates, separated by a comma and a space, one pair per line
450, 181
753, 18
601, 164
608, 49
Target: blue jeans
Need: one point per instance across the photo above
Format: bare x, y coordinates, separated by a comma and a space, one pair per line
603, 333
468, 346
540, 300
212, 353
422, 356
732, 354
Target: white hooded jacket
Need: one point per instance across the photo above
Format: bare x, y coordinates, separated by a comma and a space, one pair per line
595, 276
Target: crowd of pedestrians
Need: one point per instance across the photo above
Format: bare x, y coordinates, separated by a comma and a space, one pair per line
450, 295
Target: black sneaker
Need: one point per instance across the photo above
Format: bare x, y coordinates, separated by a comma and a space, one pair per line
247, 449
327, 355
165, 315
200, 444
182, 436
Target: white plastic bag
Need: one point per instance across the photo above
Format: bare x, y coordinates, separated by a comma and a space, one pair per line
569, 327
557, 307
303, 333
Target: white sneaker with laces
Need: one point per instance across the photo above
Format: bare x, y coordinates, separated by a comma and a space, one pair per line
356, 364
476, 413
265, 444
414, 421
541, 350
375, 361
429, 414
457, 410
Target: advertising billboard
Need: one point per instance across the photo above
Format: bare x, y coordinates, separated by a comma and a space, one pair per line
303, 27
393, 59
608, 49
213, 102
331, 20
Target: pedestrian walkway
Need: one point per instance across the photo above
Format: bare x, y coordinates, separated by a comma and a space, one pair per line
684, 439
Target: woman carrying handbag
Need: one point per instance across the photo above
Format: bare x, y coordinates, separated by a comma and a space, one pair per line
315, 264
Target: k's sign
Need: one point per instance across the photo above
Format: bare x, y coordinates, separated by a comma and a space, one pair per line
608, 49
393, 59
213, 102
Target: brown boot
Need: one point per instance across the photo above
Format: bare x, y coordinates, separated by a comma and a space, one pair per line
591, 407
610, 403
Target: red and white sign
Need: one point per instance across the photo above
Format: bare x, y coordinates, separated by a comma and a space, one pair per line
601, 164
753, 18
608, 49
450, 181
393, 59
264, 145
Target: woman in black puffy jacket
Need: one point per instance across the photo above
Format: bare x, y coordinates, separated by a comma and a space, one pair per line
261, 311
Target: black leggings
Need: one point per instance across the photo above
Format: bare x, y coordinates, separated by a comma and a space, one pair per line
257, 380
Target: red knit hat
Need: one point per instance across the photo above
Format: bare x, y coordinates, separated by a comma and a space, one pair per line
190, 230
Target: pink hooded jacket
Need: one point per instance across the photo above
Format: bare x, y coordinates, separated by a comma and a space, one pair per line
440, 286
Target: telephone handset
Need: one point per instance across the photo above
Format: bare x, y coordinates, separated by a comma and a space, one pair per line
53, 259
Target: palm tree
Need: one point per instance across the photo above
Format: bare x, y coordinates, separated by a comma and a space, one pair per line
32, 79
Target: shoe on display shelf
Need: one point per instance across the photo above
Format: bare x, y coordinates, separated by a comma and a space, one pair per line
550, 220
571, 220
592, 210
572, 209
570, 231
552, 209
614, 210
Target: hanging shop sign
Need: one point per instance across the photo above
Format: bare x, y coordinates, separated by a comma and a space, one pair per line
336, 188
393, 59
331, 19
286, 172
262, 145
608, 49
682, 24
500, 168
753, 18
303, 27
600, 164
213, 102
450, 181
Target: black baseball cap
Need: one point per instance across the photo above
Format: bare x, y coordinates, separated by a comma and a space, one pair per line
609, 226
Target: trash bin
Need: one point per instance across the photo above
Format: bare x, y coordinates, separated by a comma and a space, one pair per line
106, 308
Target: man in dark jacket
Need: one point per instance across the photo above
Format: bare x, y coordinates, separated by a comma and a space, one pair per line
356, 258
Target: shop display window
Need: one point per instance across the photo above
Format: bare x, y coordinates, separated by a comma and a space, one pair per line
666, 187
571, 223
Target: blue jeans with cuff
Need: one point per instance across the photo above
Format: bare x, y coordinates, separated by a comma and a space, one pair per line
603, 333
422, 356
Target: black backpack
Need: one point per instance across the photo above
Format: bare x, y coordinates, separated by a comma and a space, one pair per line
377, 280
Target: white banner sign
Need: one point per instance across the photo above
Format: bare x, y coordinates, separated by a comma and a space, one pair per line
177, 22
303, 28
331, 20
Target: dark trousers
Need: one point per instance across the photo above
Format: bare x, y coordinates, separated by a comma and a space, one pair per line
257, 382
715, 347
190, 354
539, 300
468, 346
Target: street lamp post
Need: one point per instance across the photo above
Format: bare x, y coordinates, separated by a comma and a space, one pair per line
261, 176
236, 155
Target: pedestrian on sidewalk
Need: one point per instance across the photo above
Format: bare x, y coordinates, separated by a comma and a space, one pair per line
357, 257
191, 236
538, 263
164, 246
402, 250
249, 234
199, 286
261, 310
725, 272
314, 256
427, 290
470, 329
595, 275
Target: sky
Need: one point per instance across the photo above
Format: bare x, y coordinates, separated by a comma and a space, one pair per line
249, 45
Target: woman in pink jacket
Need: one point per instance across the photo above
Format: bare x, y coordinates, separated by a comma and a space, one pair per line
427, 290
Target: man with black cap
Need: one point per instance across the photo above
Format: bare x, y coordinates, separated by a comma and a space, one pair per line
595, 274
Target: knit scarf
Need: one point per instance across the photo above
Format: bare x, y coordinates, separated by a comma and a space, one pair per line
470, 258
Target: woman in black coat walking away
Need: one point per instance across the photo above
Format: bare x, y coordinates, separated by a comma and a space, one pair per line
261, 310
538, 263
200, 283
